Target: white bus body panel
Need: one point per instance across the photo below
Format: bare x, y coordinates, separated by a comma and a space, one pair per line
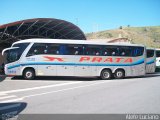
151, 63
158, 59
158, 62
72, 66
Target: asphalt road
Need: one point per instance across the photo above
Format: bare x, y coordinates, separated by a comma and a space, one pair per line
81, 95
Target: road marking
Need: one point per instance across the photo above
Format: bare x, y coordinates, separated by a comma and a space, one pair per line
2, 94
5, 97
10, 106
34, 95
12, 100
36, 88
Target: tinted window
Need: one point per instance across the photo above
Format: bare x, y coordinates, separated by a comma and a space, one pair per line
12, 55
124, 51
75, 49
127, 51
53, 49
22, 47
17, 52
63, 49
158, 53
150, 53
110, 51
137, 51
94, 50
38, 48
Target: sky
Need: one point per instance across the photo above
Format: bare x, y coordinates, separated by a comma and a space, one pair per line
89, 15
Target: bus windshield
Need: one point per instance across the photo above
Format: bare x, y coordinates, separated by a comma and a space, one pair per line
14, 53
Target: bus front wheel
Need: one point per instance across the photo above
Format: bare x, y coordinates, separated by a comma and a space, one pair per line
29, 74
119, 74
106, 74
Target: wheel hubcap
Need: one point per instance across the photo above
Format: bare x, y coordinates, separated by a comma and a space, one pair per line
28, 74
119, 74
106, 75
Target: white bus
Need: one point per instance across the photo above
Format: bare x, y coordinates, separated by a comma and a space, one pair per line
157, 58
51, 57
151, 60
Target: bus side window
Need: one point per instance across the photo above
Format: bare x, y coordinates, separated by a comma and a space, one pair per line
37, 49
106, 51
114, 51
75, 49
53, 49
32, 51
137, 51
93, 50
63, 50
71, 50
140, 51
125, 51
86, 50
45, 51
78, 50
42, 49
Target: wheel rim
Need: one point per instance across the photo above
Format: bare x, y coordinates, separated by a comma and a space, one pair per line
106, 75
119, 74
29, 74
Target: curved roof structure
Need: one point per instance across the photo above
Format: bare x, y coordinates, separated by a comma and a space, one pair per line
40, 28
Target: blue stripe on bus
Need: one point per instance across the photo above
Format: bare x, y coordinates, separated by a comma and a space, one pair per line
14, 66
150, 62
78, 64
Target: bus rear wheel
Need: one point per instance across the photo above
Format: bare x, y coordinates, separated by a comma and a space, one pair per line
119, 74
106, 74
29, 74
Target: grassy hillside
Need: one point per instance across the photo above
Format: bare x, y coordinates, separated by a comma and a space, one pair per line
149, 36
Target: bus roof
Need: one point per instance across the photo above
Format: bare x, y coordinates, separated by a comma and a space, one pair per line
42, 40
157, 49
148, 48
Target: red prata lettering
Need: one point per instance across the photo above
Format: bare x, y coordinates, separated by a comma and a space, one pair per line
128, 60
97, 59
84, 59
108, 60
100, 59
118, 59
